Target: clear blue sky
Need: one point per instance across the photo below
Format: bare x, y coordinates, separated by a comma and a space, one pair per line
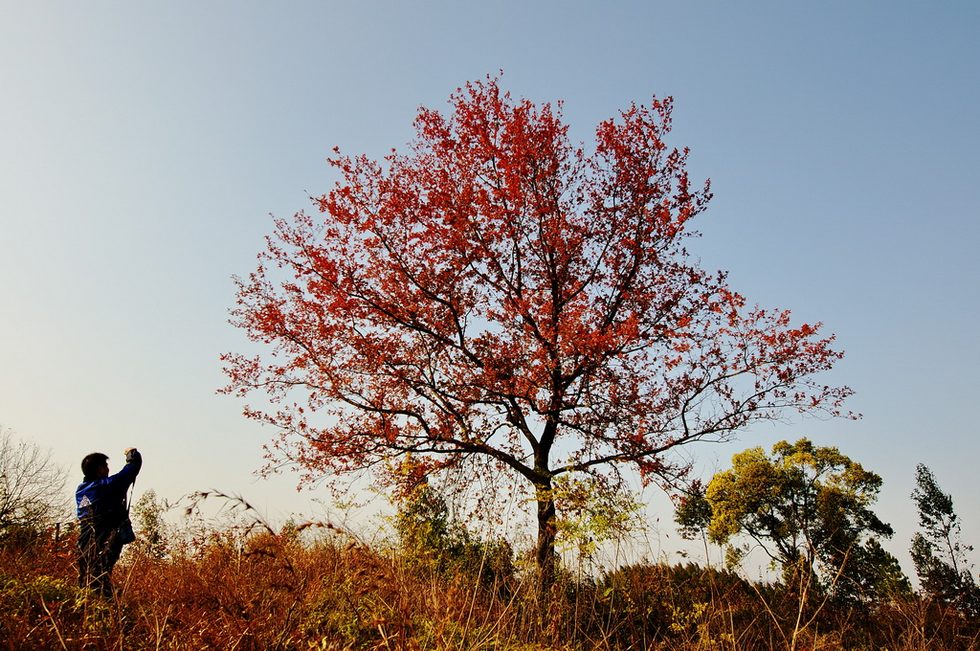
144, 145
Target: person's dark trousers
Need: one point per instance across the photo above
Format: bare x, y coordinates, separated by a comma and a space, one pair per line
98, 552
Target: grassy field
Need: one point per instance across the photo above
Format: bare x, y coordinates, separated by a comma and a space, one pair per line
252, 587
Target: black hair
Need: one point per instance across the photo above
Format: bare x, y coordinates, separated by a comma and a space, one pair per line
92, 462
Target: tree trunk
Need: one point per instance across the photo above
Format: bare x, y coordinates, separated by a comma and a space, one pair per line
547, 528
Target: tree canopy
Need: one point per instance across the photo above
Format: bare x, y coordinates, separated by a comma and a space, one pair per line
808, 507
499, 293
940, 557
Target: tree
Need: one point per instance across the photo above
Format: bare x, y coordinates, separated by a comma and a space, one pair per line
433, 541
31, 485
808, 507
499, 294
692, 511
148, 512
940, 557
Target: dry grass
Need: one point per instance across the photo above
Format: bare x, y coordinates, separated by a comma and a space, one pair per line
249, 587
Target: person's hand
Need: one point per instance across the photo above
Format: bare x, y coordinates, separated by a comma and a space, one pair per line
130, 453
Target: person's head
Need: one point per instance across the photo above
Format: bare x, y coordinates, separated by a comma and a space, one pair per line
95, 466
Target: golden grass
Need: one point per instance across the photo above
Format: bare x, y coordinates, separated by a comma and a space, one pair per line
256, 588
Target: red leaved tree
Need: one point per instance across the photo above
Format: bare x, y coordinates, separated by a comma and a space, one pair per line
499, 293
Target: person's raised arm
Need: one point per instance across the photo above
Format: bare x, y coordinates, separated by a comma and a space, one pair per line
126, 476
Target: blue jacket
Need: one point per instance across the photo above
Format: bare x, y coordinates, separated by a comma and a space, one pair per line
102, 502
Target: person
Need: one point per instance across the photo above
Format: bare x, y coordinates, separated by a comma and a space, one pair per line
101, 501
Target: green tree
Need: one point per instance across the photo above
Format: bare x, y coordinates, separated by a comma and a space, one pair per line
148, 511
692, 512
937, 551
808, 507
433, 541
592, 514
426, 532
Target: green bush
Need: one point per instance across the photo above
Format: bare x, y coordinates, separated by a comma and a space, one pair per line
433, 543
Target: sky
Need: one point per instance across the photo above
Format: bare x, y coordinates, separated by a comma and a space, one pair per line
145, 146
